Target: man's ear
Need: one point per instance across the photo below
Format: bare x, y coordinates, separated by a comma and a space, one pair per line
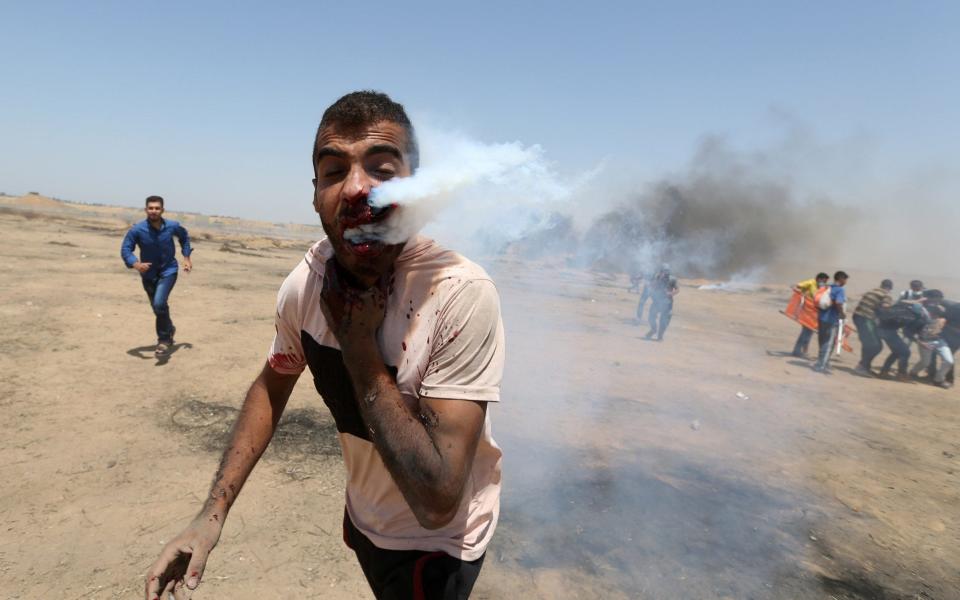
316, 204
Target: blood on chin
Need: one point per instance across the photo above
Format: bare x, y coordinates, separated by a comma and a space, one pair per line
365, 249
362, 264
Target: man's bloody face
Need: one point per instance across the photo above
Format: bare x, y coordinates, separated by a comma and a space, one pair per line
349, 164
154, 212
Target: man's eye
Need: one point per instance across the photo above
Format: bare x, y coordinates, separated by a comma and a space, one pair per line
384, 171
334, 172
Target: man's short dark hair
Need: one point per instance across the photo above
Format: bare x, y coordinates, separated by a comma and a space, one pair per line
822, 275
153, 199
933, 294
916, 284
840, 275
886, 284
362, 109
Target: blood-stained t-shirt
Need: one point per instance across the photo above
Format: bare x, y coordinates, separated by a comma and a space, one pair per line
442, 337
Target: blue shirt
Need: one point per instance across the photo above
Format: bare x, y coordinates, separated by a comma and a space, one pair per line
156, 247
831, 315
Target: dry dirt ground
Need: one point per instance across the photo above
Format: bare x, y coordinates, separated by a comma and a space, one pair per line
632, 469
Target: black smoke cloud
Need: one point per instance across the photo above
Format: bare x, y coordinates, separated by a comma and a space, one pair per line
724, 216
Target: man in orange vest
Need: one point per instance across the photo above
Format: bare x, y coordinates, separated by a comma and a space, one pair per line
808, 288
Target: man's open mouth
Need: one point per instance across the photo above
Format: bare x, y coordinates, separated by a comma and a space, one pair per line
364, 231
363, 241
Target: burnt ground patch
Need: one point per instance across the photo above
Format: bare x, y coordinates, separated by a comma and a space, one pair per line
847, 579
659, 527
654, 524
856, 586
305, 439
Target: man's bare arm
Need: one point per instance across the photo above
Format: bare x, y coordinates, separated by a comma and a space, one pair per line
428, 450
183, 559
262, 408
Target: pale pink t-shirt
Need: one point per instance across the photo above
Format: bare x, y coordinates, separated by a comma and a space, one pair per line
441, 337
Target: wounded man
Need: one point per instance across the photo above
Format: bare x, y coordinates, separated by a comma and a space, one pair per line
405, 345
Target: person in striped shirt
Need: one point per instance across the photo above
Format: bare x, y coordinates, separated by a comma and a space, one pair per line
865, 319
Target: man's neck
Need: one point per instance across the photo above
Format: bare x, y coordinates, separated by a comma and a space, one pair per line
156, 225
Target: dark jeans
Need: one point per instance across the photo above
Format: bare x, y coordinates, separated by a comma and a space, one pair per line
664, 311
870, 343
899, 350
643, 301
158, 291
826, 337
411, 574
803, 342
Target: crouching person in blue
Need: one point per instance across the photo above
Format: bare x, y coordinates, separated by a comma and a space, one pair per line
157, 264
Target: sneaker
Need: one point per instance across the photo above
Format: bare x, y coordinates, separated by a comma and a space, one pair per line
162, 349
863, 371
904, 378
944, 384
649, 335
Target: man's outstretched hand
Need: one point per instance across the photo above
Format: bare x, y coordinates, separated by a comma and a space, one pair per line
181, 563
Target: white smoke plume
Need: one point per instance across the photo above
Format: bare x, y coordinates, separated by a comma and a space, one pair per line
479, 179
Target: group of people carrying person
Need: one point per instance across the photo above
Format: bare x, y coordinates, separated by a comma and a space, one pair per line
916, 316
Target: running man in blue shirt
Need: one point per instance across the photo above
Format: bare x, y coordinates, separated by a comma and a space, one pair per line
157, 263
830, 318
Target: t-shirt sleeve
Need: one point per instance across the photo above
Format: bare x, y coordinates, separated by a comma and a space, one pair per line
808, 287
840, 295
286, 353
466, 358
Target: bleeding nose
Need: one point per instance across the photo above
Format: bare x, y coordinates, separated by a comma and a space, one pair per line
358, 197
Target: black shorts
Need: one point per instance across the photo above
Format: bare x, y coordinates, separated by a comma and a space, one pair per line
411, 574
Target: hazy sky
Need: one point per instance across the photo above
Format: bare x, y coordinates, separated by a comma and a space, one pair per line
214, 105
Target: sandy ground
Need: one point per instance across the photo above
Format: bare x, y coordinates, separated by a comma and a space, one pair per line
632, 468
